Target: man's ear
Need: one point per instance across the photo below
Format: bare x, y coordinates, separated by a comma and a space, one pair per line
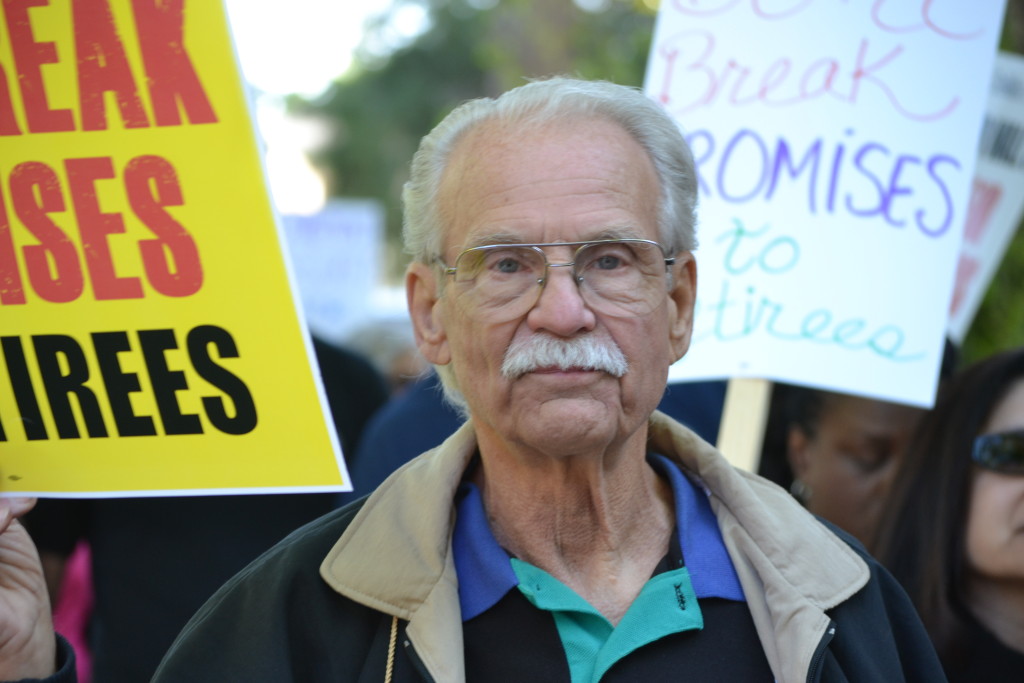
681, 301
421, 292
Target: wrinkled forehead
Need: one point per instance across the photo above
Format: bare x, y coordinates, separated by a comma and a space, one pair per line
1008, 413
565, 180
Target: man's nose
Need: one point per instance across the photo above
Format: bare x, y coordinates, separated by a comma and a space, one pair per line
561, 309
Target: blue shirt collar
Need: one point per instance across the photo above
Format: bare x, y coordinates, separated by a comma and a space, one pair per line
486, 575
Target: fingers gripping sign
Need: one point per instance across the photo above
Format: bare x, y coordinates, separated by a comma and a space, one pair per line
27, 645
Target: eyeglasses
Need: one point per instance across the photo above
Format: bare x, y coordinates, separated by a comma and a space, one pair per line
621, 277
1001, 452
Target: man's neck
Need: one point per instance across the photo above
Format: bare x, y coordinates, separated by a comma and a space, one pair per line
599, 524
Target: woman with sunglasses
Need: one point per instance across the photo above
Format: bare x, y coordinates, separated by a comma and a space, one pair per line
953, 528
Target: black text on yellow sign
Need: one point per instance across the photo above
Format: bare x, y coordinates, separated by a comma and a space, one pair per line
75, 379
82, 382
68, 373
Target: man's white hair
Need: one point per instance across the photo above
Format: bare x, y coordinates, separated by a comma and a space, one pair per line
534, 104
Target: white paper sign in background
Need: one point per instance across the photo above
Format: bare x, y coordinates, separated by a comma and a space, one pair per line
336, 254
835, 145
997, 196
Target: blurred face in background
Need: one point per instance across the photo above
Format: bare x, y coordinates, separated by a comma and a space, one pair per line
847, 465
995, 522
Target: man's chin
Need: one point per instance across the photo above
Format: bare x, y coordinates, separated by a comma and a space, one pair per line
570, 421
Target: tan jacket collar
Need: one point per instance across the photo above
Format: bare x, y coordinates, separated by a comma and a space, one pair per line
778, 550
395, 556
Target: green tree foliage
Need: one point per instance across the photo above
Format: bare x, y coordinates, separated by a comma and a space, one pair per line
380, 111
378, 114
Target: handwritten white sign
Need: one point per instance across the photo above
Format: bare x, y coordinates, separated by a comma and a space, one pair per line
835, 145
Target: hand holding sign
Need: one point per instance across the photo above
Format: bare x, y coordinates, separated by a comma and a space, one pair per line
27, 647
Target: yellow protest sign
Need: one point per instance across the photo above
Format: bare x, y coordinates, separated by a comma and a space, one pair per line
149, 338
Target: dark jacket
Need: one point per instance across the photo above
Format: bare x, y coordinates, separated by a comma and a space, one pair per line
823, 609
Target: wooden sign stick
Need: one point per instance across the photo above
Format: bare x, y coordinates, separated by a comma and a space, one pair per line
744, 417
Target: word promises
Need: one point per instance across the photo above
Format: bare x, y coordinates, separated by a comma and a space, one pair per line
863, 179
103, 385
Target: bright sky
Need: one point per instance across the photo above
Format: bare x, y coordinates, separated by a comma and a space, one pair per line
300, 47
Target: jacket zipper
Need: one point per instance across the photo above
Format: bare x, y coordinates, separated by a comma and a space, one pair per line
819, 653
416, 661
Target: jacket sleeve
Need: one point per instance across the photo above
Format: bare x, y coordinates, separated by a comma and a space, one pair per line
66, 672
279, 621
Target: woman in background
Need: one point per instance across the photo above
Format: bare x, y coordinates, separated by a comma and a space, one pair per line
953, 529
838, 453
842, 453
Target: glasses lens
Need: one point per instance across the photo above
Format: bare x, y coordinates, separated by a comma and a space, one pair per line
1002, 452
617, 277
495, 280
622, 278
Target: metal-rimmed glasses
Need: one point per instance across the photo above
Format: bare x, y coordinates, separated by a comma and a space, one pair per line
1000, 452
617, 277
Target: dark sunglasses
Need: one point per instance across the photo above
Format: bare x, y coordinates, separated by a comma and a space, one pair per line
1001, 452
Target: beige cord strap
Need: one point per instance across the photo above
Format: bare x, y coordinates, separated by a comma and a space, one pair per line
391, 650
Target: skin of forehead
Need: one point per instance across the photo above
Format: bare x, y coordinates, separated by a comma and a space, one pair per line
486, 144
539, 248
501, 239
870, 415
1008, 414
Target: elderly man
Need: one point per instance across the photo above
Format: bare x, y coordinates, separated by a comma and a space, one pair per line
568, 531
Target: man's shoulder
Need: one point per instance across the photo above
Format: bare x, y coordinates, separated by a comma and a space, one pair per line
880, 608
294, 560
310, 542
882, 596
272, 618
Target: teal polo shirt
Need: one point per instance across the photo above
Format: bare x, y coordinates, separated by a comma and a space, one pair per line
667, 604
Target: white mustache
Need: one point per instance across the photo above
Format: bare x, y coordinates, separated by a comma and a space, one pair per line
541, 351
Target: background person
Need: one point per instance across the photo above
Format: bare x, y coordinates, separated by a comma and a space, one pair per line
953, 530
838, 453
389, 344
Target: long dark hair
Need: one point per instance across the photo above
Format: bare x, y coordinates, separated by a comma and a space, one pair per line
922, 536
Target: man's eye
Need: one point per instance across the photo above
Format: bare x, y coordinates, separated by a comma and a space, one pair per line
508, 265
608, 262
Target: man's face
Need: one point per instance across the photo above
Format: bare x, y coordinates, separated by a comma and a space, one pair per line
566, 182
